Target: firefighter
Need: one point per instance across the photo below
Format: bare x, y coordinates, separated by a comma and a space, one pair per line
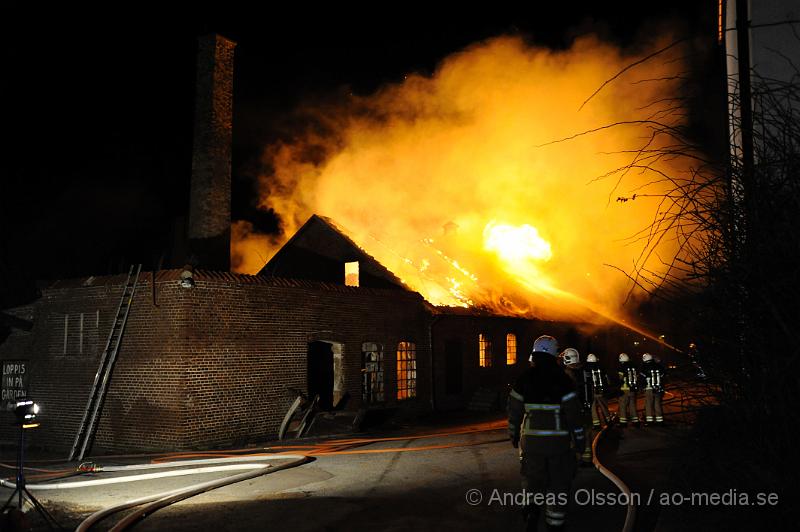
627, 403
544, 422
599, 381
653, 373
571, 360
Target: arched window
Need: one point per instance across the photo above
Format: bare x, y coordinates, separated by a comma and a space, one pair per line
484, 351
406, 370
511, 349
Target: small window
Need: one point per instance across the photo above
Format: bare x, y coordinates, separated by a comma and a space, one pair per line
484, 351
511, 349
351, 273
372, 373
406, 370
77, 333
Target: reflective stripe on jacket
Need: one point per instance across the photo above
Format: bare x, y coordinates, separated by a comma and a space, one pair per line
543, 419
627, 375
546, 427
653, 374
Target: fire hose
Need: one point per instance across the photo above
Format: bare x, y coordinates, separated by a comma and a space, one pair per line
630, 515
254, 466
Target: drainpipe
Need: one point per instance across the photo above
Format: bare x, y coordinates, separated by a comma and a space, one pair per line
430, 354
153, 279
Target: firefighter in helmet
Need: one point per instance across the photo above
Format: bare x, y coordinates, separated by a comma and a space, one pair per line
653, 373
628, 377
599, 381
544, 422
571, 360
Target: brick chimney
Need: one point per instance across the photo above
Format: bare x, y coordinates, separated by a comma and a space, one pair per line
209, 228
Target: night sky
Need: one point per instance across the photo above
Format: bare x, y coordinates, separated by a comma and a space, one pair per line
98, 115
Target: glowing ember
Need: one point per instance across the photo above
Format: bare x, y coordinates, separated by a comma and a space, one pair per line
455, 290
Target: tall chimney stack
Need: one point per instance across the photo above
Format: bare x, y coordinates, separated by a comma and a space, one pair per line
209, 228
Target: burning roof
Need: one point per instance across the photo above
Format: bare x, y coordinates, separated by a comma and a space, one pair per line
491, 183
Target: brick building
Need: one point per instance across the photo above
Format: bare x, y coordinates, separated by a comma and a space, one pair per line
210, 365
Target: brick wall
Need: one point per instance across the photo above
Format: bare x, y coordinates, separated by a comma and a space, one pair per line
209, 365
62, 370
249, 342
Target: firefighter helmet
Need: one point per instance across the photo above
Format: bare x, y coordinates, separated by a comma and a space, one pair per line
647, 357
546, 344
623, 357
570, 356
591, 358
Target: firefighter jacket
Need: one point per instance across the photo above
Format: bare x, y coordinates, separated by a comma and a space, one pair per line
583, 384
597, 376
628, 377
544, 410
653, 374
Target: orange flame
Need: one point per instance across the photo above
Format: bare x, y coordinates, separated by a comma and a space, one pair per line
454, 184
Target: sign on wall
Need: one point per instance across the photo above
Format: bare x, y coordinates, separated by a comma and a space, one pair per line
14, 384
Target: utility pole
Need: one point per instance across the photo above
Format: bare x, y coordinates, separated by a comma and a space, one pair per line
745, 98
746, 240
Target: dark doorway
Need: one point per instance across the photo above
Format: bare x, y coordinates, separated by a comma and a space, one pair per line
320, 373
453, 367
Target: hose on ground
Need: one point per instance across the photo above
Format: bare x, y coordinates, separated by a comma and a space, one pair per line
630, 516
160, 500
254, 466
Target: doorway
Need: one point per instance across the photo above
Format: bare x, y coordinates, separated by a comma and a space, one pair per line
320, 373
325, 373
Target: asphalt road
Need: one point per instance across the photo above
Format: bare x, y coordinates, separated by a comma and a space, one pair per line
404, 483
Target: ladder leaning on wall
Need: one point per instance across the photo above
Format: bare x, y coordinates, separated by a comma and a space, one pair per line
88, 424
